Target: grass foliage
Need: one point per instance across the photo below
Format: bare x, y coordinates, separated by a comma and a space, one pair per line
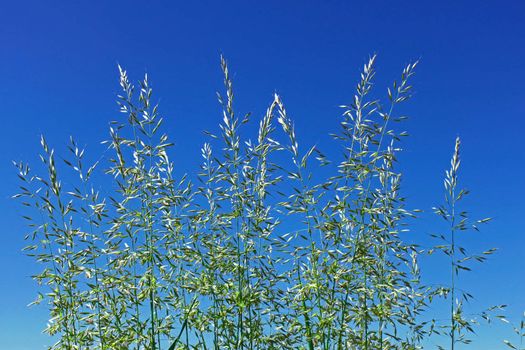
252, 252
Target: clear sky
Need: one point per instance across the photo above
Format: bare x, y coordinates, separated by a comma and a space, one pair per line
58, 71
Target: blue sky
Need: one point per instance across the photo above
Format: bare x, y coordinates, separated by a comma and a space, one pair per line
58, 69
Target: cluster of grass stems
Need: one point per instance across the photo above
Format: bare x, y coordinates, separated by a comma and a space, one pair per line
250, 253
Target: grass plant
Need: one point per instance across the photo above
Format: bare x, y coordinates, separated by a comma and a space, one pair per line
252, 251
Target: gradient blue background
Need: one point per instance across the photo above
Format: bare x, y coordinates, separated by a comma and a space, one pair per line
58, 76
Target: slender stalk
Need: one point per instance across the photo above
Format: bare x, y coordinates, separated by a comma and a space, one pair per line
452, 182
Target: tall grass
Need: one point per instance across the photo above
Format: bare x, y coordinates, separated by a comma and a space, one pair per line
251, 252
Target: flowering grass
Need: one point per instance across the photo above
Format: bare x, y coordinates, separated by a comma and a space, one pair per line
249, 252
